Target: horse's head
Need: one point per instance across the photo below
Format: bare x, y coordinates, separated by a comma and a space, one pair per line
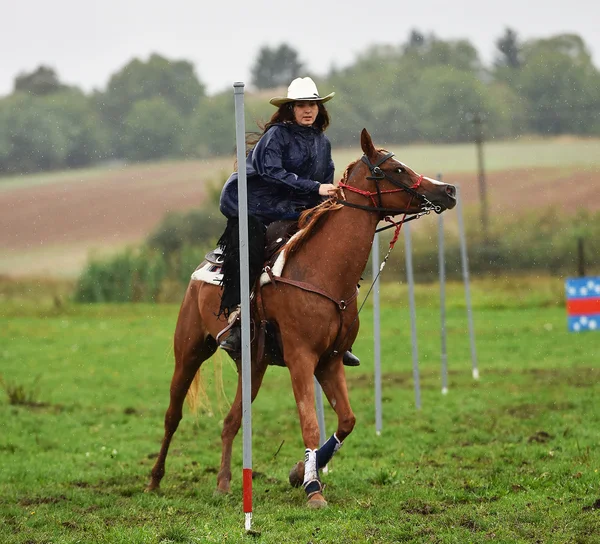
393, 187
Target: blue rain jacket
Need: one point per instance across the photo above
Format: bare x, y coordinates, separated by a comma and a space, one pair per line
284, 172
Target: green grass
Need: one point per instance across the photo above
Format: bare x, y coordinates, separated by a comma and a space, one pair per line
512, 457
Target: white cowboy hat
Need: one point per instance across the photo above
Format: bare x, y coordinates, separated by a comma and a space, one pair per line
302, 88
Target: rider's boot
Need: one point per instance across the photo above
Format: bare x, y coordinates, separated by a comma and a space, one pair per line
349, 359
233, 342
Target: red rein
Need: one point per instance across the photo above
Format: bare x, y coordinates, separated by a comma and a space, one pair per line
372, 194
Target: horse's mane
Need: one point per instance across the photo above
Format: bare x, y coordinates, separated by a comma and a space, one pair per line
310, 219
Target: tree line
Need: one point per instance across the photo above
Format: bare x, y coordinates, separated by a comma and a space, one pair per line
425, 89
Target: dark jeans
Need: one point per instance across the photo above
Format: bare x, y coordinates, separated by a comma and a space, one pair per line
229, 243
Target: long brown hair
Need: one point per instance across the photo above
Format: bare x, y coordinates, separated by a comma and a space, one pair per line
285, 114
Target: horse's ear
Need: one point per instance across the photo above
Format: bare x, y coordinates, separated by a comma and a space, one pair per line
366, 143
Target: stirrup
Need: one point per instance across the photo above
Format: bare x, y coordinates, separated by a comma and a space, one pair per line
233, 342
349, 359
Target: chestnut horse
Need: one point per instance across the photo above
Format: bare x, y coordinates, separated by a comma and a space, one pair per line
313, 305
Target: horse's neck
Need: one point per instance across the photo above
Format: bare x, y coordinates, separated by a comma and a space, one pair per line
344, 242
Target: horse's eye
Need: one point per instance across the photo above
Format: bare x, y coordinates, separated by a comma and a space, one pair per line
400, 170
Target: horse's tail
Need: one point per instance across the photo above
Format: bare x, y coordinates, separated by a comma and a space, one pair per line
197, 396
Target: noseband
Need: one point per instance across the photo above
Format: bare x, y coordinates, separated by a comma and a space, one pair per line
377, 175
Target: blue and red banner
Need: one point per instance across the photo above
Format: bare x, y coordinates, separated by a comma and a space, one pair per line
583, 303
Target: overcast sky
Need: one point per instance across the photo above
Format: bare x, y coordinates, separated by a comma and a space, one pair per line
86, 42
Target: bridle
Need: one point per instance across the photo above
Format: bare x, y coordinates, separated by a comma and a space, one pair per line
377, 175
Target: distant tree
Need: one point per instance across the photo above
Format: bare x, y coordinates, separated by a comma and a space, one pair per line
30, 135
87, 137
447, 96
276, 67
509, 50
153, 130
42, 81
560, 85
60, 130
211, 129
173, 81
421, 52
416, 41
568, 45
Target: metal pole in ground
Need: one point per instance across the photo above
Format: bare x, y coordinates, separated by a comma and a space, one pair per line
376, 333
465, 273
240, 140
442, 271
320, 415
413, 313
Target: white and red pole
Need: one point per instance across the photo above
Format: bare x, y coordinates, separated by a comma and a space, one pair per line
240, 139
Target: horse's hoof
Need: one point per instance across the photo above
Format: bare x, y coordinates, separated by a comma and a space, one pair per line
297, 474
220, 492
151, 487
317, 501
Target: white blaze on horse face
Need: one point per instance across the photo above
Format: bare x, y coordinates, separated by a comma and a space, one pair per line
434, 181
305, 113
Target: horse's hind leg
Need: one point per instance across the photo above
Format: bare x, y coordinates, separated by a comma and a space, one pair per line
192, 347
233, 422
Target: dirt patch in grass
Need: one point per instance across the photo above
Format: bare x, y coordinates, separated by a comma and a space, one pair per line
419, 507
595, 506
33, 501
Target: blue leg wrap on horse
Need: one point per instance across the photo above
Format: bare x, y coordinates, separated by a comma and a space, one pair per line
326, 451
311, 483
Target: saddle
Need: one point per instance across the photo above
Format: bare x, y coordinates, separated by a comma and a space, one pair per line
278, 234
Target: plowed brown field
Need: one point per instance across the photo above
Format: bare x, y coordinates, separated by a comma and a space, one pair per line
52, 227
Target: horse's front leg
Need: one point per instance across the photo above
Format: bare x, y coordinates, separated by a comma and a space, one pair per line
331, 376
301, 373
233, 422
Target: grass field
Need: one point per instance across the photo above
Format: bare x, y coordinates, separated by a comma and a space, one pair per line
512, 457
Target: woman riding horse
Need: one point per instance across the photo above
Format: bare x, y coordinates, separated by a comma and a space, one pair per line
312, 301
289, 170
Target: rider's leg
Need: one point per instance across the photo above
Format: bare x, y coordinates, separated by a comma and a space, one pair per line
230, 302
349, 359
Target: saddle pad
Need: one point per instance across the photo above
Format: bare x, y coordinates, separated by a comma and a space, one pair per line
279, 263
277, 269
208, 273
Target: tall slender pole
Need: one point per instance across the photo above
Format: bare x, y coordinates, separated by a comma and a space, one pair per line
413, 313
376, 333
240, 140
478, 122
320, 415
465, 273
442, 271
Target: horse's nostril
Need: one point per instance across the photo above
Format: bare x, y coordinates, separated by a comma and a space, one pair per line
451, 191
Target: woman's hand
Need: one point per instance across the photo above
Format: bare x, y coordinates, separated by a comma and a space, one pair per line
327, 189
